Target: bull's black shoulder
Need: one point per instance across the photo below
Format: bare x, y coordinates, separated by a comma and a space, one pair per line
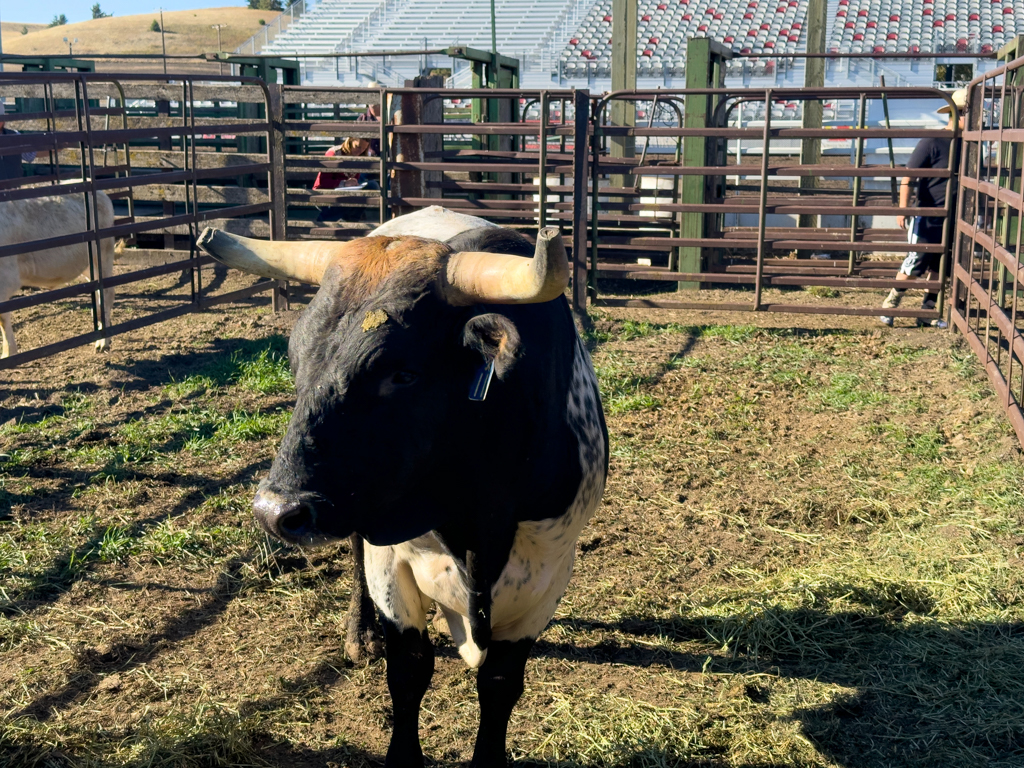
491, 240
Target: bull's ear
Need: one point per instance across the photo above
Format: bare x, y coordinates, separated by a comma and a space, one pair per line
495, 337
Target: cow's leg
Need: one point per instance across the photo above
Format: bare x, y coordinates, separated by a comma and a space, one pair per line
7, 329
107, 266
362, 638
410, 666
499, 684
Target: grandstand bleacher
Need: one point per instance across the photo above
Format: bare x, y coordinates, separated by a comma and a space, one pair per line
568, 40
321, 29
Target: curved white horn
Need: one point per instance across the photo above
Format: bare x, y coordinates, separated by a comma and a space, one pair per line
302, 261
472, 277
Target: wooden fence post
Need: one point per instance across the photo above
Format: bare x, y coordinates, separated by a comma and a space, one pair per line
278, 184
581, 146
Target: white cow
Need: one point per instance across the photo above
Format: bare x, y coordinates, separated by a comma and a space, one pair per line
40, 218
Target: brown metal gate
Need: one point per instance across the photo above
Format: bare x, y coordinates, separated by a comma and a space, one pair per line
169, 168
988, 274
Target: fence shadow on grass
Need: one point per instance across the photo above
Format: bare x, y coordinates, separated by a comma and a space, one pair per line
46, 586
925, 692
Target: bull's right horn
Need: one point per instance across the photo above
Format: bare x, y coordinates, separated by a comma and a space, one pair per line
473, 277
302, 261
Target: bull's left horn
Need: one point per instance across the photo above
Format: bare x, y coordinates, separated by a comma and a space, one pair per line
497, 278
304, 262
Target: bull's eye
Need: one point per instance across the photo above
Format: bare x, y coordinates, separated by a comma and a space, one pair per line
397, 380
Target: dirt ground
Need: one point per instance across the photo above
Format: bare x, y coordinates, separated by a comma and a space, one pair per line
809, 554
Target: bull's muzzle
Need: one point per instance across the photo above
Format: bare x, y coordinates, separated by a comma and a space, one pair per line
290, 517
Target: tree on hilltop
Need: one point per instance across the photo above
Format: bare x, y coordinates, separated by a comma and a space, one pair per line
98, 14
59, 21
266, 5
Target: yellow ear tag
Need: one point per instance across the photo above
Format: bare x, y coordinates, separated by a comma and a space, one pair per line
374, 319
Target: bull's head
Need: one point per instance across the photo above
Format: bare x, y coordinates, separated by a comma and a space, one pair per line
383, 359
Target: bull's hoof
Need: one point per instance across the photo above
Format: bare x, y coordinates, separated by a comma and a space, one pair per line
366, 647
102, 345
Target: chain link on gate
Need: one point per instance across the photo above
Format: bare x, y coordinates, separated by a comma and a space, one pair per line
988, 273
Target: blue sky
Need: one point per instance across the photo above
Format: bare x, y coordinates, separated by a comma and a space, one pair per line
41, 11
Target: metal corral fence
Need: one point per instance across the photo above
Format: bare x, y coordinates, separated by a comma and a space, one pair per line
167, 175
988, 274
701, 188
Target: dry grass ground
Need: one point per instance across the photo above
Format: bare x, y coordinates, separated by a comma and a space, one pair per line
11, 29
809, 555
186, 32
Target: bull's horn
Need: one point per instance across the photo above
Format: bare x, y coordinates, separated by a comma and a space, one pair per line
497, 278
302, 261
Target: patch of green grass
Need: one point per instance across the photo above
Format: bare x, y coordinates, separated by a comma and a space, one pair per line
848, 391
822, 291
117, 543
621, 390
256, 367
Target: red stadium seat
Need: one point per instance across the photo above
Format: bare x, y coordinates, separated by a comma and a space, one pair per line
862, 12
950, 17
841, 13
872, 24
1007, 11
608, 17
728, 39
858, 36
938, 23
653, 41
645, 17
794, 38
798, 25
647, 53
769, 44
574, 41
879, 49
702, 28
986, 48
892, 36
894, 17
747, 15
926, 12
997, 28
850, 25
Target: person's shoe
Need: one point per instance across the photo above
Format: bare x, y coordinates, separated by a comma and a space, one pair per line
891, 302
937, 322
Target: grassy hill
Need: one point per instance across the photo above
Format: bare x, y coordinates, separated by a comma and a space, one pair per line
186, 32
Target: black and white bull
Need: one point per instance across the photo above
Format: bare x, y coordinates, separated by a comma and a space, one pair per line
467, 496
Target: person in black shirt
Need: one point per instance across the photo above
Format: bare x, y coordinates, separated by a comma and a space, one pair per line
931, 193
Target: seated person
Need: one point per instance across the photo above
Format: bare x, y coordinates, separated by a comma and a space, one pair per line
327, 180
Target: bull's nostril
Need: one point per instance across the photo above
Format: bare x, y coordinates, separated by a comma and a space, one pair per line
296, 522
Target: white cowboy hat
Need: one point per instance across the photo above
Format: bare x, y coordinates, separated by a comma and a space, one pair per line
959, 98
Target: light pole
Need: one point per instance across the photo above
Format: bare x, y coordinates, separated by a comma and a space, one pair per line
163, 40
221, 64
71, 43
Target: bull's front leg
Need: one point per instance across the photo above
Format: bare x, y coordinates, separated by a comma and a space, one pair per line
362, 638
499, 685
410, 658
